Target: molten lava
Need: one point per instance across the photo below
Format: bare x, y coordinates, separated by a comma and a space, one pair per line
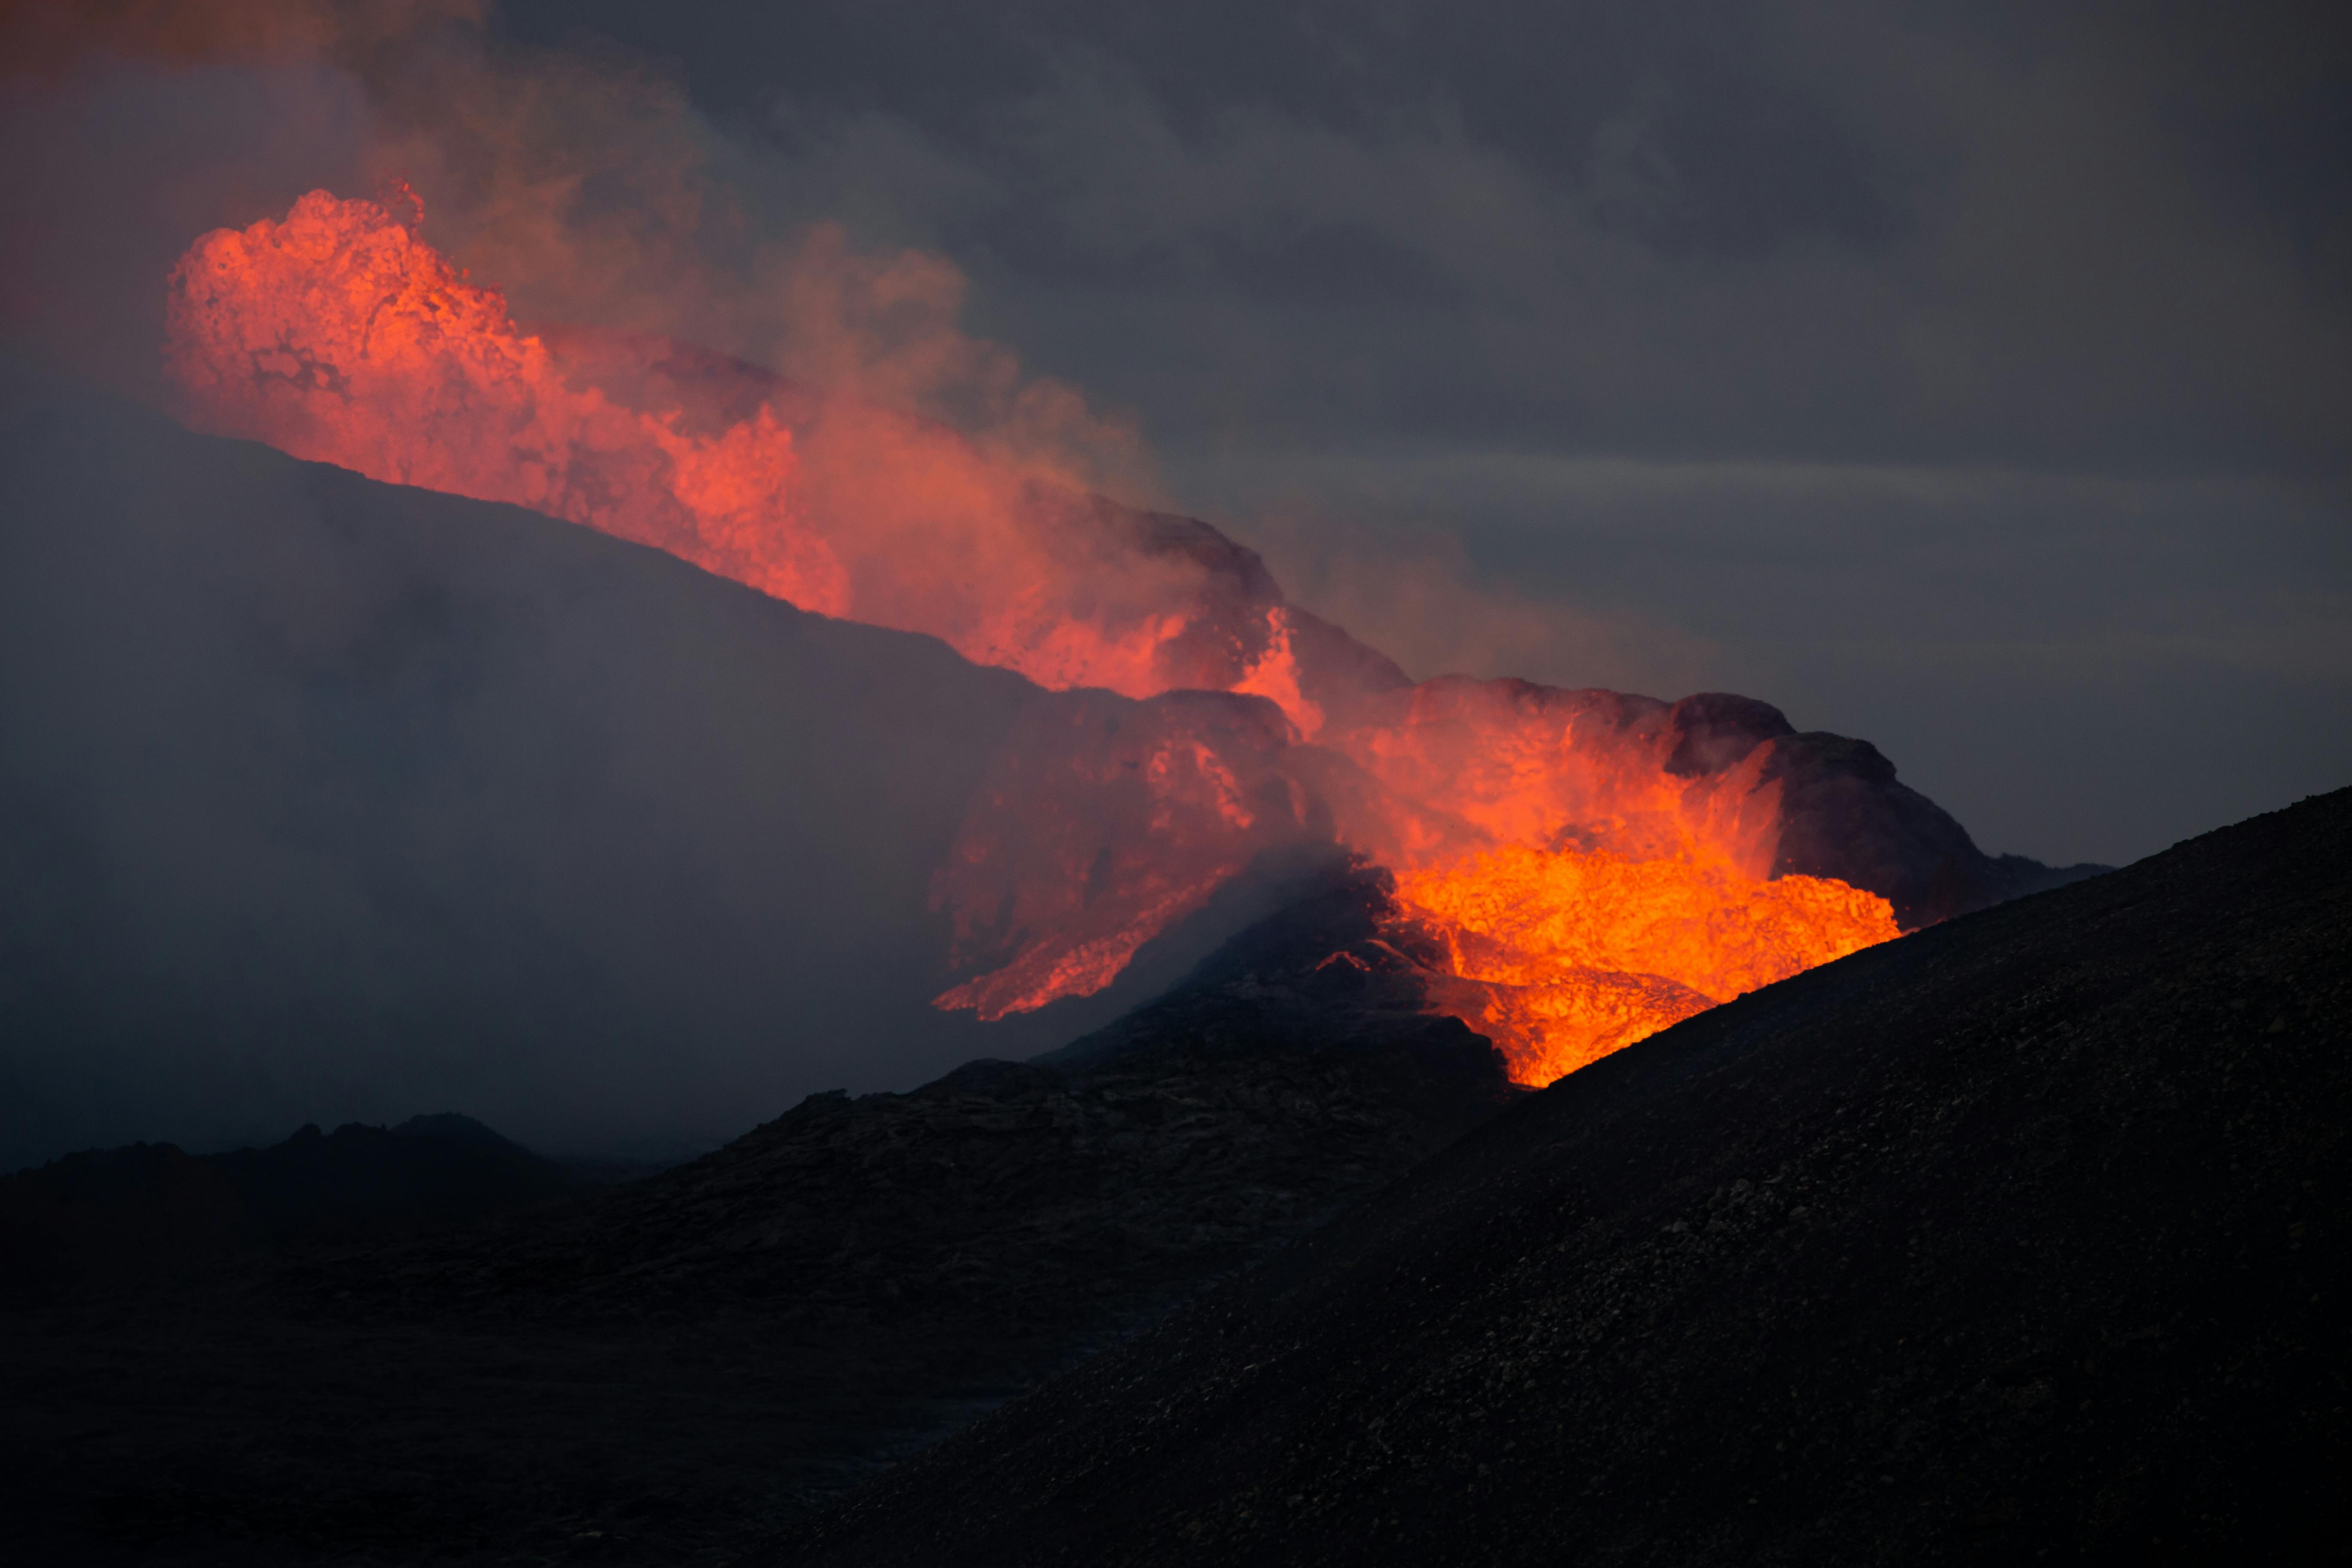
1559, 932
340, 336
1588, 882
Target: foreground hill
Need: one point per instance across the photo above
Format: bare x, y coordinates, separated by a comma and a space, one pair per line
2023, 1236
152, 1211
678, 1367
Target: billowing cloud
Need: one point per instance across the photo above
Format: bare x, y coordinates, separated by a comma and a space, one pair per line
2004, 353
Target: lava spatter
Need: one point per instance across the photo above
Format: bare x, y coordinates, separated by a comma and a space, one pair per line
1586, 891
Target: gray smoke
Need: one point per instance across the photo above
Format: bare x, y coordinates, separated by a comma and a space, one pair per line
324, 799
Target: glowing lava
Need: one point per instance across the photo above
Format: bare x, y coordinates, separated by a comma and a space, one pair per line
1588, 882
1583, 952
338, 335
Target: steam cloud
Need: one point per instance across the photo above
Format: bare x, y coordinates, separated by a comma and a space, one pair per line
335, 334
327, 799
598, 197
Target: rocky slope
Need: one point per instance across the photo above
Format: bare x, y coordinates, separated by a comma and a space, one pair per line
2022, 1237
151, 1211
1008, 1208
677, 1368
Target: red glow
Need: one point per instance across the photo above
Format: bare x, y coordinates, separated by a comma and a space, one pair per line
1587, 894
1584, 952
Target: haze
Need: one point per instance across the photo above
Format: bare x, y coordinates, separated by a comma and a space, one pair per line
1965, 377
1960, 378
1971, 378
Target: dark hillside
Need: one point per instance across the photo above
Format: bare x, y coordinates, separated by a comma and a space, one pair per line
321, 799
956, 1237
2021, 1236
673, 1369
149, 1212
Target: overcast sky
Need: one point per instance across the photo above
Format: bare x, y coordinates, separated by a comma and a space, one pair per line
1970, 378
1974, 379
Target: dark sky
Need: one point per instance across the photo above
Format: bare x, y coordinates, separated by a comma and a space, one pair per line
1971, 378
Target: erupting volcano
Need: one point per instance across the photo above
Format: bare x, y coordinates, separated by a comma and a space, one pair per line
1592, 867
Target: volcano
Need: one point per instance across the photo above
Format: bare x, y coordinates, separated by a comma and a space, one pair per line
2020, 1238
355, 790
1614, 861
328, 789
325, 799
1983, 1241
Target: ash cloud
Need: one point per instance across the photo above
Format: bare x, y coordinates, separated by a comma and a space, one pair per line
1866, 297
2032, 329
326, 800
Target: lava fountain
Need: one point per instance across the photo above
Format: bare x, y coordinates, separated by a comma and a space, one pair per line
1585, 889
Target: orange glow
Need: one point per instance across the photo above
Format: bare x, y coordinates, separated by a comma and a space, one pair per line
338, 335
1097, 829
1587, 888
1589, 952
1275, 677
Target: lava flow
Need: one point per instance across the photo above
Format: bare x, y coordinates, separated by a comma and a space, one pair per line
1583, 952
336, 334
1587, 883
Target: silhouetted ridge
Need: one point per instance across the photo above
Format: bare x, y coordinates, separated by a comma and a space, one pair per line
448, 1127
359, 1177
702, 1354
147, 1211
1844, 814
2021, 1237
1062, 1195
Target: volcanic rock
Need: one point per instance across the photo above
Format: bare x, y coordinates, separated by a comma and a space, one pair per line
2021, 1236
317, 791
1018, 1204
321, 792
1845, 815
149, 1210
677, 1368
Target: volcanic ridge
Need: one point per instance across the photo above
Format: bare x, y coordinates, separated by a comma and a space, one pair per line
2016, 1234
2021, 1237
336, 776
686, 1363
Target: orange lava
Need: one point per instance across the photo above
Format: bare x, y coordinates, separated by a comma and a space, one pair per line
1585, 953
337, 334
1588, 889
